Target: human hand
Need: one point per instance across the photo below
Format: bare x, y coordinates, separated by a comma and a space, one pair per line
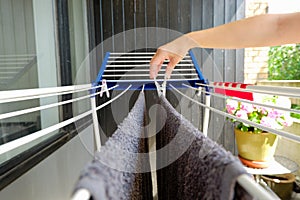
173, 52
159, 58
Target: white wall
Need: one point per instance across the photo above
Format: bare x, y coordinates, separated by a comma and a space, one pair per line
283, 6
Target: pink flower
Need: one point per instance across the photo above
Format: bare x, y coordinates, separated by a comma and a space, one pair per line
264, 115
264, 111
231, 106
270, 122
274, 113
286, 121
241, 114
249, 108
266, 121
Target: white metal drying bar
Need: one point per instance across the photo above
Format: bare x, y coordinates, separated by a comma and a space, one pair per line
38, 108
33, 136
81, 194
27, 94
144, 75
147, 65
151, 81
275, 131
137, 57
132, 53
137, 53
130, 57
272, 90
144, 70
115, 98
136, 61
254, 189
244, 100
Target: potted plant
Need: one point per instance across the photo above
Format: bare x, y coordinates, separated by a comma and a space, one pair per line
256, 147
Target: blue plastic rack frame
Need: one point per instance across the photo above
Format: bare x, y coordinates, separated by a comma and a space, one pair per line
149, 84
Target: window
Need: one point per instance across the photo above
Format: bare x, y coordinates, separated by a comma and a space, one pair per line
42, 45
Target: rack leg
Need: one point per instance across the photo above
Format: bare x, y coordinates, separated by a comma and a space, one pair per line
81, 194
206, 115
96, 125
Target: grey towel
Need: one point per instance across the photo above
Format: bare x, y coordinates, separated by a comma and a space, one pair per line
117, 170
203, 169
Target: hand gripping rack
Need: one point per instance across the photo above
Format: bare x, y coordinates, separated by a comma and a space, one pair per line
132, 68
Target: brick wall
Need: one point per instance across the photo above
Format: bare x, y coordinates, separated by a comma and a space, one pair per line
256, 67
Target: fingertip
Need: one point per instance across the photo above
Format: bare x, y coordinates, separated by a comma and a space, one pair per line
153, 71
152, 75
168, 76
168, 72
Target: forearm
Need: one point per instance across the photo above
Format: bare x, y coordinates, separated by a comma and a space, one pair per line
258, 31
263, 30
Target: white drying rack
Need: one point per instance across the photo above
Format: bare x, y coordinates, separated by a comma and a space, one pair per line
132, 69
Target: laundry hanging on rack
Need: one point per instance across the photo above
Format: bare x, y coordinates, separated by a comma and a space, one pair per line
203, 169
117, 170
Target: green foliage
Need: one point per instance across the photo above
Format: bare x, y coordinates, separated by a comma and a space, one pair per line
295, 115
284, 62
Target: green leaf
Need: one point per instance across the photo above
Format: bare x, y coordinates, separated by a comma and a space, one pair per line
284, 62
244, 128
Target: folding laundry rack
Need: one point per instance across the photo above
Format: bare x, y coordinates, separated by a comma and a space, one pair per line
123, 71
130, 71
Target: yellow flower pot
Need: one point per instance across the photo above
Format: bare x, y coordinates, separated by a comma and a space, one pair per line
258, 147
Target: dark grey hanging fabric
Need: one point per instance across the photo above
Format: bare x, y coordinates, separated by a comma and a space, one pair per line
190, 165
117, 172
